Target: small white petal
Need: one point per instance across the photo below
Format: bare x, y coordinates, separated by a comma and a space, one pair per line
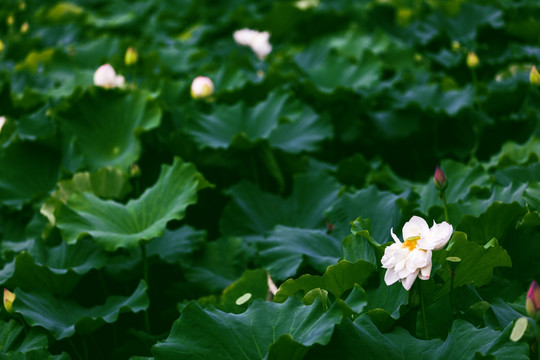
425, 272
390, 277
245, 36
440, 234
409, 280
396, 239
415, 227
2, 121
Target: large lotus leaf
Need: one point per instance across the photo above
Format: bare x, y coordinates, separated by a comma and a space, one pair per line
463, 342
29, 170
337, 279
103, 127
56, 269
460, 180
252, 285
12, 338
464, 26
38, 125
114, 225
329, 71
476, 266
286, 123
381, 207
286, 248
211, 333
518, 174
494, 223
516, 154
175, 245
432, 97
107, 183
55, 79
64, 317
253, 211
220, 263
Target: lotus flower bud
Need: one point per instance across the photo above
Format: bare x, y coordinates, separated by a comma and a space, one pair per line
456, 46
532, 302
534, 76
24, 27
106, 77
440, 180
201, 87
9, 297
1, 46
472, 60
131, 56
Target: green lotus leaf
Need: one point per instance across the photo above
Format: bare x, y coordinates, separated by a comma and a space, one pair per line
369, 203
103, 126
58, 80
337, 279
252, 211
470, 18
364, 337
174, 246
31, 170
501, 314
12, 338
476, 266
286, 249
329, 71
63, 317
517, 154
38, 125
219, 264
107, 183
360, 245
388, 298
287, 124
235, 298
214, 334
114, 225
496, 222
57, 269
433, 97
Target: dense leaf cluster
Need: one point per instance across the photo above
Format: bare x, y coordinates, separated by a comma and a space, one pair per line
139, 223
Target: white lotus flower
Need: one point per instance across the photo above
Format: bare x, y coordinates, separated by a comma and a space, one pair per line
411, 258
2, 121
258, 41
201, 87
106, 77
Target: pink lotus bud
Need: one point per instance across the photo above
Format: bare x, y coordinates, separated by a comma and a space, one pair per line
201, 87
439, 179
532, 303
9, 297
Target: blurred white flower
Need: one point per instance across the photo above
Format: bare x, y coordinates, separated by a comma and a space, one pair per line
411, 258
2, 121
201, 87
258, 41
106, 77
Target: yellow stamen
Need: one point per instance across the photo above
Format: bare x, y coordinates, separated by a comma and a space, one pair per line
410, 242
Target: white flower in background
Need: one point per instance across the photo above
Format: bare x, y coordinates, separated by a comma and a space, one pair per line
201, 87
258, 41
106, 77
2, 121
411, 258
